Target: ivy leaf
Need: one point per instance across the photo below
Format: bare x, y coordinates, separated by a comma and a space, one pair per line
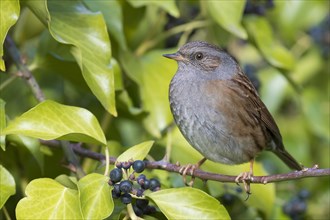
169, 5
113, 15
7, 185
50, 120
48, 199
137, 152
9, 12
228, 14
260, 32
193, 204
95, 196
153, 73
72, 23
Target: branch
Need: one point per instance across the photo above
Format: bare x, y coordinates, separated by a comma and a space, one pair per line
24, 72
163, 165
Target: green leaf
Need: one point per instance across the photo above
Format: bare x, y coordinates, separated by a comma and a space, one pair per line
188, 203
228, 14
261, 33
153, 73
31, 144
137, 152
7, 185
95, 196
72, 23
113, 16
67, 181
50, 120
168, 5
2, 124
48, 199
9, 12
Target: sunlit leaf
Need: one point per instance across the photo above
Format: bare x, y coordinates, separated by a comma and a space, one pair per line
72, 23
228, 14
188, 203
168, 5
50, 120
48, 199
137, 152
113, 16
7, 185
9, 12
261, 33
95, 196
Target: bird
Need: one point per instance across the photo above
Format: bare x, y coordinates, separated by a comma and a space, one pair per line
219, 112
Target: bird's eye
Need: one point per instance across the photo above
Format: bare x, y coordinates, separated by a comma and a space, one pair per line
199, 56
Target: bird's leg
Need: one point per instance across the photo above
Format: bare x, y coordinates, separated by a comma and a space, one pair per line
190, 167
246, 178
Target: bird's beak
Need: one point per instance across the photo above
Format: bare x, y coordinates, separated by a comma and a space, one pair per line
174, 56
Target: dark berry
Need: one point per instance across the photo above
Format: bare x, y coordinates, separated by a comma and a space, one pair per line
154, 184
119, 165
146, 184
140, 179
116, 175
131, 177
126, 198
138, 166
125, 186
303, 194
239, 190
138, 211
227, 199
116, 191
142, 203
139, 192
149, 210
126, 165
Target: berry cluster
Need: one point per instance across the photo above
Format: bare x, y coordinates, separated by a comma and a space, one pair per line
258, 7
297, 206
125, 184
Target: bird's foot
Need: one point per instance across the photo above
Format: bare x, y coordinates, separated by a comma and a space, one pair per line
246, 178
190, 169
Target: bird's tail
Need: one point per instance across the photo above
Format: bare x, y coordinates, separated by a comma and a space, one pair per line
288, 159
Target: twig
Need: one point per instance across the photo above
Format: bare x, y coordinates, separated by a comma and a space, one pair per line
163, 165
23, 70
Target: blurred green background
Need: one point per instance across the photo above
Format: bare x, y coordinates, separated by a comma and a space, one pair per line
283, 46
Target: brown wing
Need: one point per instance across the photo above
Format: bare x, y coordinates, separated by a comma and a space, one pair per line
259, 111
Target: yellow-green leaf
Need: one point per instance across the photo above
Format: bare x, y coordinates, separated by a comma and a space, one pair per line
95, 196
50, 120
137, 152
188, 203
153, 73
72, 23
260, 32
7, 185
228, 14
48, 199
168, 5
9, 12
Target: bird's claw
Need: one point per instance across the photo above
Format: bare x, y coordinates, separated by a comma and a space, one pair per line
184, 170
245, 178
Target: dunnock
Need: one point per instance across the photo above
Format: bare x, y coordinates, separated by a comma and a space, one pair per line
218, 110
